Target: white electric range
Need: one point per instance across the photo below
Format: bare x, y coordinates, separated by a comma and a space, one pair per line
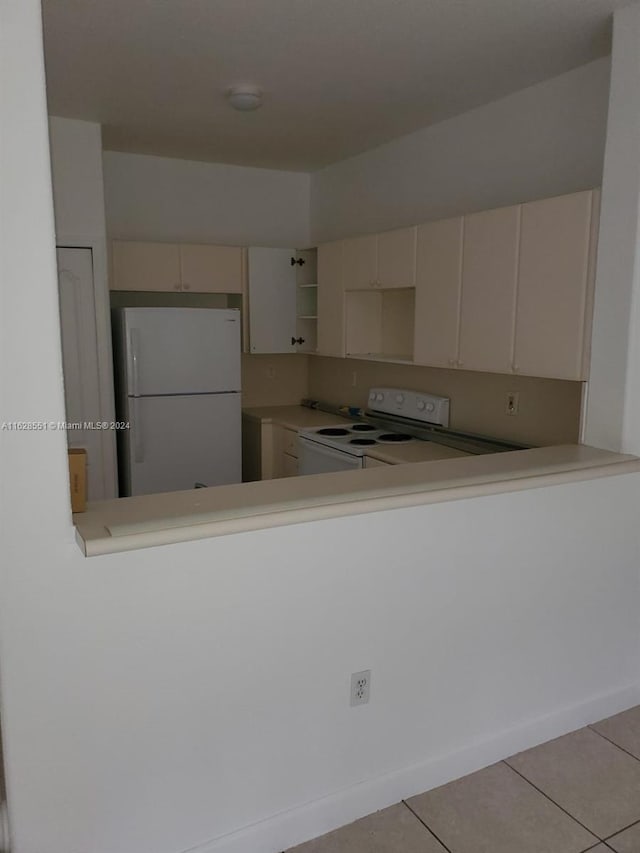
343, 448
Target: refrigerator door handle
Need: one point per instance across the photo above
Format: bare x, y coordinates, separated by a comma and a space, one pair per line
134, 361
138, 444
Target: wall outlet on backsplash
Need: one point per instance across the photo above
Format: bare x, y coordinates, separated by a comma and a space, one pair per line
271, 372
513, 403
354, 379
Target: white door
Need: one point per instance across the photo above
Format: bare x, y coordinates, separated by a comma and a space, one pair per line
272, 300
182, 350
178, 442
80, 364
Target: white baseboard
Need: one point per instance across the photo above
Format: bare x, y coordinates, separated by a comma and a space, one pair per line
310, 820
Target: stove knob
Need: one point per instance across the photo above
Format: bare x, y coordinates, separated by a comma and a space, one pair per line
379, 398
399, 399
372, 396
421, 405
430, 407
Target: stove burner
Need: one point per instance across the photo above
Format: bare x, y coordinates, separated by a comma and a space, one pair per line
362, 428
361, 441
333, 431
394, 436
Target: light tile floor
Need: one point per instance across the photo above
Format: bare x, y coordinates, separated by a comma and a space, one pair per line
576, 793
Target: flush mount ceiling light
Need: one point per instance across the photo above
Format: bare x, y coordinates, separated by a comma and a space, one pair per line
245, 98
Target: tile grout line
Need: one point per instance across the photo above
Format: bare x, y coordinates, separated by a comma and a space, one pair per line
529, 782
624, 829
428, 828
613, 743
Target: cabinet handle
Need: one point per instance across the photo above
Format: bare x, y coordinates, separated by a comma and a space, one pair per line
460, 363
186, 287
176, 287
300, 261
452, 362
295, 341
515, 368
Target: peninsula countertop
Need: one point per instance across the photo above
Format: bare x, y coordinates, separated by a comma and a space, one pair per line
152, 520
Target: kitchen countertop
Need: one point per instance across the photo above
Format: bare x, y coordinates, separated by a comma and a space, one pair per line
294, 417
151, 520
300, 417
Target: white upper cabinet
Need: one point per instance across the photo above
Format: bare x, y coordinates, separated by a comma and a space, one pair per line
185, 267
211, 269
385, 261
145, 266
272, 300
331, 300
555, 284
397, 258
359, 262
489, 276
438, 285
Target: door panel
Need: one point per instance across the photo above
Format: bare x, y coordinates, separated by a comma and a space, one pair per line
489, 274
438, 284
553, 286
397, 258
272, 300
211, 269
359, 263
145, 266
176, 442
182, 350
330, 300
80, 362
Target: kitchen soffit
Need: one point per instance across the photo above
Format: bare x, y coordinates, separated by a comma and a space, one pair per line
339, 76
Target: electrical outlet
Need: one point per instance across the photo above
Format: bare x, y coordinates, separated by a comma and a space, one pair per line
271, 372
513, 403
360, 687
354, 379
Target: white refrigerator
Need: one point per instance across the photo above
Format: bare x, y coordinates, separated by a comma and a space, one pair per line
178, 389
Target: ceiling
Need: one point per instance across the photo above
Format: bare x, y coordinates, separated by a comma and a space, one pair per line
339, 76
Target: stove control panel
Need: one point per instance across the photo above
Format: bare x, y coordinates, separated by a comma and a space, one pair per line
417, 405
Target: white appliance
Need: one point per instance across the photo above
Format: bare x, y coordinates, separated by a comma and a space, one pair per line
178, 389
343, 448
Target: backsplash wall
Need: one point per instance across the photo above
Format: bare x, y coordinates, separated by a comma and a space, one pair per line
549, 409
274, 380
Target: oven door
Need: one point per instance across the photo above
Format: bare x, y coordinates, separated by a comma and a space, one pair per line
314, 458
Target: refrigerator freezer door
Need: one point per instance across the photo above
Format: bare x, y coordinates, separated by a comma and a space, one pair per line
177, 442
181, 350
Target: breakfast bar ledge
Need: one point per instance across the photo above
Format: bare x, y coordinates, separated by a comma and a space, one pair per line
142, 522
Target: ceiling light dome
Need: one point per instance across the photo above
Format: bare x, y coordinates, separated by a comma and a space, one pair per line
245, 98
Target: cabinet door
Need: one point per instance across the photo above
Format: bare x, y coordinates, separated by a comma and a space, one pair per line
211, 269
397, 258
359, 263
330, 300
489, 274
272, 300
289, 467
145, 266
438, 283
553, 287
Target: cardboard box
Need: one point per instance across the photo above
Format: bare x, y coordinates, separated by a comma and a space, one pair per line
78, 478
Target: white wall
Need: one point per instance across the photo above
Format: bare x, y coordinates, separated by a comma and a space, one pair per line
543, 141
157, 198
613, 410
152, 701
76, 162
